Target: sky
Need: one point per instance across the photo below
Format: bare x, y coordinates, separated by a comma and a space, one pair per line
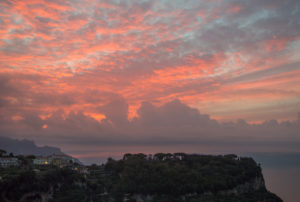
99, 78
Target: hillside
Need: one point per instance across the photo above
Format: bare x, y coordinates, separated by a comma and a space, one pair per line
183, 177
162, 177
26, 147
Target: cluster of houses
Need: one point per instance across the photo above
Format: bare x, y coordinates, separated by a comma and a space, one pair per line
55, 160
9, 161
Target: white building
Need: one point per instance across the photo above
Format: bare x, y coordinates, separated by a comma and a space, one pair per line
61, 160
41, 161
8, 161
57, 160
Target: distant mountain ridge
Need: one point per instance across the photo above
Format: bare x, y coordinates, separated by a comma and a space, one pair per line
26, 147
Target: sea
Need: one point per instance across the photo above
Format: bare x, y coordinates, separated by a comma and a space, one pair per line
281, 173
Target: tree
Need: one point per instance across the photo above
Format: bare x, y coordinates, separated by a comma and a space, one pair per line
2, 152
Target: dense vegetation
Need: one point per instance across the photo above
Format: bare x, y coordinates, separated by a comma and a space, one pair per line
18, 183
180, 174
162, 177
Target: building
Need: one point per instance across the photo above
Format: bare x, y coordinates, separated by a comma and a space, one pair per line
41, 161
56, 160
61, 160
8, 161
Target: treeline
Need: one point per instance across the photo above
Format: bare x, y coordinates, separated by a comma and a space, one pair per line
179, 173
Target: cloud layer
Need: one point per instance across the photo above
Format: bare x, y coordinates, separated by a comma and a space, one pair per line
139, 72
171, 127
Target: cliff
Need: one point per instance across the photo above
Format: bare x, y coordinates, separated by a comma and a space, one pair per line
187, 177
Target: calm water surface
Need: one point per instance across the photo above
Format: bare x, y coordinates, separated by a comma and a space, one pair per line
282, 174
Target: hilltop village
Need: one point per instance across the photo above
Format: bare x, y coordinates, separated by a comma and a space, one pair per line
59, 160
38, 163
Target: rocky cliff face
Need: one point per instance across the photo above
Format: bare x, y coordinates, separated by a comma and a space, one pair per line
250, 186
254, 184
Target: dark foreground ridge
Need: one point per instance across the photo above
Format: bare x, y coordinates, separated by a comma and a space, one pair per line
161, 177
